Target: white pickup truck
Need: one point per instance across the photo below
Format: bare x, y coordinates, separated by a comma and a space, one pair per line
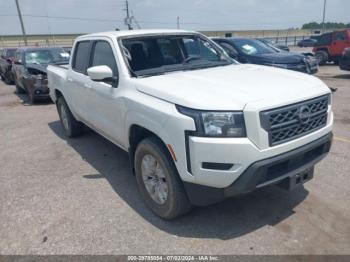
198, 126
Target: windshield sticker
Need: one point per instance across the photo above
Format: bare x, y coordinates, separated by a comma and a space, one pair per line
250, 49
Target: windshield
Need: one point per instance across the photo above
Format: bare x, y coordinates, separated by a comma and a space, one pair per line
253, 47
11, 53
46, 56
149, 55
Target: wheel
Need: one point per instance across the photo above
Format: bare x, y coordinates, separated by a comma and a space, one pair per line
7, 79
71, 126
158, 180
19, 89
322, 57
31, 97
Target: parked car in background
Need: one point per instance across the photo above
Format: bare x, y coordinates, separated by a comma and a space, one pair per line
344, 63
252, 51
309, 42
198, 126
330, 46
274, 45
68, 49
6, 59
29, 70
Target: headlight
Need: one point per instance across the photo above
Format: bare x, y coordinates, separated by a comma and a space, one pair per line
216, 124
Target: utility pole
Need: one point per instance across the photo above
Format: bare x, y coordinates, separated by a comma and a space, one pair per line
178, 23
324, 16
21, 21
128, 18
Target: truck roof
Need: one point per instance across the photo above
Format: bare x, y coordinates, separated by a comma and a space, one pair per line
123, 33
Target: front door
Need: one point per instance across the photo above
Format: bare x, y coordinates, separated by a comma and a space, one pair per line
106, 106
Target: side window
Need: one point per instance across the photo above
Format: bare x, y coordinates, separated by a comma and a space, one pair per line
81, 57
103, 55
228, 48
340, 36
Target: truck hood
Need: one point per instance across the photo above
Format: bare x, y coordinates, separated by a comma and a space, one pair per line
232, 87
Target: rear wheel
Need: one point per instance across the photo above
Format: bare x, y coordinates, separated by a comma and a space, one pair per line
7, 79
158, 180
71, 126
322, 57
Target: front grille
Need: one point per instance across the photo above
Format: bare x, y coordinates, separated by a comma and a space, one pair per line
290, 122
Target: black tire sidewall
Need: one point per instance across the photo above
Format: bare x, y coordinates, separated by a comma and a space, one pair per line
61, 102
323, 57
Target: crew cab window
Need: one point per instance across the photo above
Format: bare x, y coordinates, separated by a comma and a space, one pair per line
81, 57
103, 55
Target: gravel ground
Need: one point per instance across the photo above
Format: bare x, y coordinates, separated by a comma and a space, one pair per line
78, 196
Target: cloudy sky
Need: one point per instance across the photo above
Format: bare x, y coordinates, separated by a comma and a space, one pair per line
84, 16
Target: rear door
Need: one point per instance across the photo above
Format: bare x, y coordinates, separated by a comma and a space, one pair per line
106, 105
77, 79
340, 42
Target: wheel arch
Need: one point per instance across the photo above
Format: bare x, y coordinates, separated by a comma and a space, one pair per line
137, 133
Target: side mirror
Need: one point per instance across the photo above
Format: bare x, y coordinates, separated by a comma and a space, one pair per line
102, 74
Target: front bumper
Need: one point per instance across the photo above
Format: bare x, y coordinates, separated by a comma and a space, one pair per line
38, 88
309, 68
264, 172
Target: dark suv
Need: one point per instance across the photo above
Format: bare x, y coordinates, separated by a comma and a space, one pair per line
30, 73
6, 58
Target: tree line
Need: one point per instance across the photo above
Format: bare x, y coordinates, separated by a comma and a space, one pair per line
330, 25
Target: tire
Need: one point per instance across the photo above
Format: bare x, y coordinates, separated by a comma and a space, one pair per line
19, 89
7, 79
322, 57
71, 126
176, 202
32, 98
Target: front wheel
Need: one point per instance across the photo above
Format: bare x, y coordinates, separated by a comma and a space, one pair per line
71, 126
158, 180
322, 57
19, 89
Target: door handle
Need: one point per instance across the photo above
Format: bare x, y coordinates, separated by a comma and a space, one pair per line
70, 79
87, 86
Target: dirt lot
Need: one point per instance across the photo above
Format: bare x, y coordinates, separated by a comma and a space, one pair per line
78, 196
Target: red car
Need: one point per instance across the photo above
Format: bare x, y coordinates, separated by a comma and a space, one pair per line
330, 46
